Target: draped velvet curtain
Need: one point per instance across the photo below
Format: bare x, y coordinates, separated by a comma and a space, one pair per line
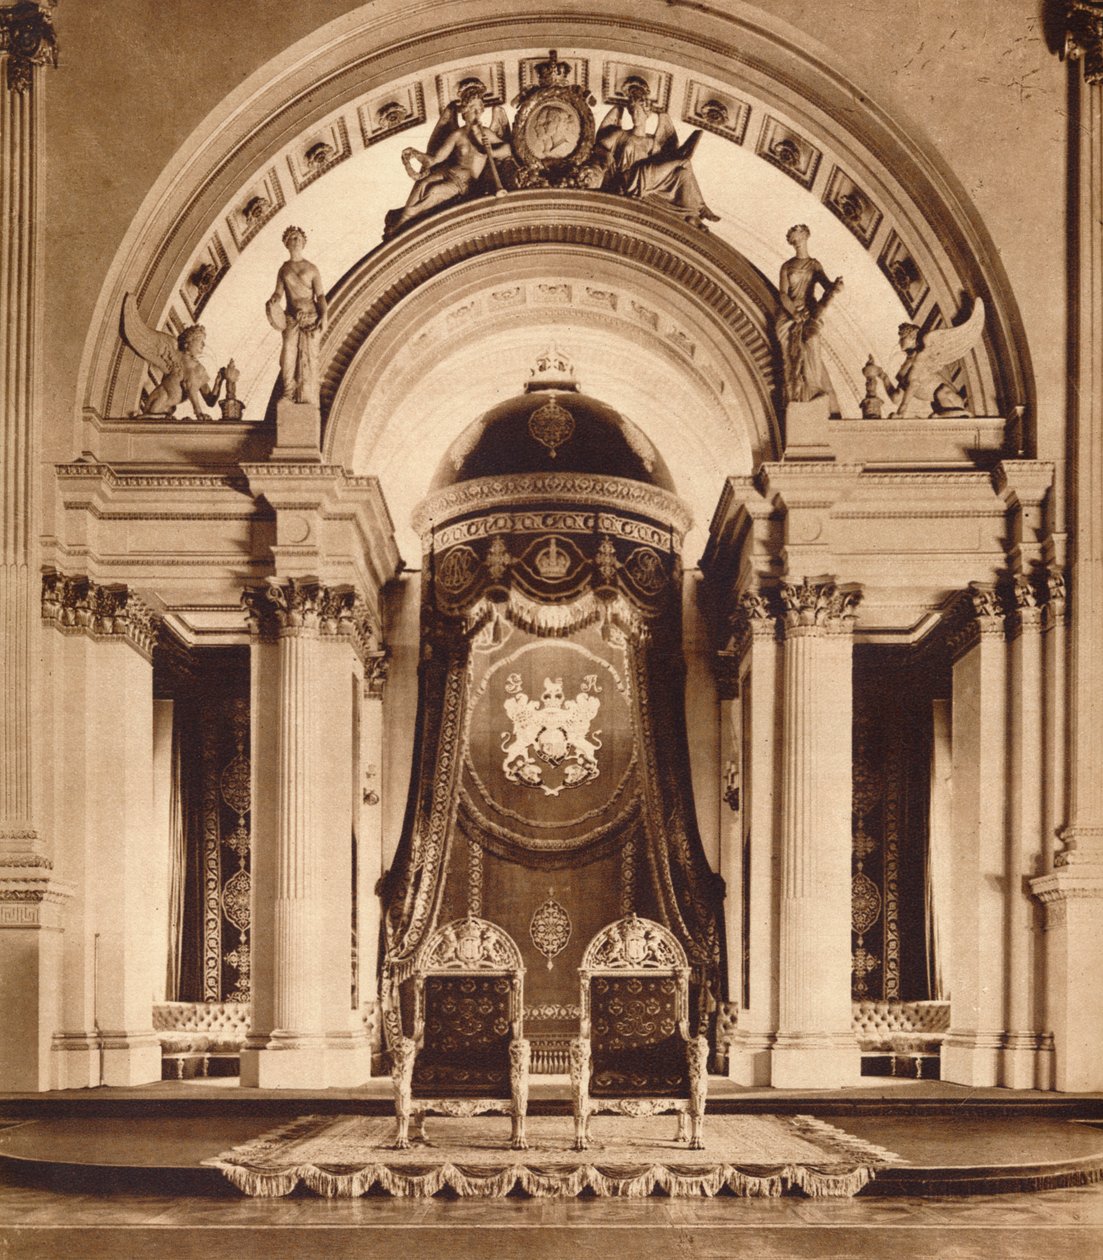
654, 840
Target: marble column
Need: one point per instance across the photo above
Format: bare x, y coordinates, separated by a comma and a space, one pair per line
30, 899
752, 897
977, 955
1073, 891
815, 1044
304, 1031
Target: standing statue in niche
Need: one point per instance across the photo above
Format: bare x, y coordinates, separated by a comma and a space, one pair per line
799, 322
460, 149
653, 167
184, 378
297, 310
923, 387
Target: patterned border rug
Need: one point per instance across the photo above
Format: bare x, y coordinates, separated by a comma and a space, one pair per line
750, 1156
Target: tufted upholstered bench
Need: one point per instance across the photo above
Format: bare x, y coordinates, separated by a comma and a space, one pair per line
195, 1036
905, 1032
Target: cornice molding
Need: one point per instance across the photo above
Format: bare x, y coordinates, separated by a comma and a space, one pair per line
523, 490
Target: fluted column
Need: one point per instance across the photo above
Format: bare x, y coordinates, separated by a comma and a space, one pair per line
1027, 1056
30, 898
304, 1032
815, 1045
27, 45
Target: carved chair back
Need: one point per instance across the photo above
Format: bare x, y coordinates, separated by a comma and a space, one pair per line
634, 1001
468, 1054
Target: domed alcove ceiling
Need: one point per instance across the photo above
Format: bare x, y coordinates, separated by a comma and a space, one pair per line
779, 147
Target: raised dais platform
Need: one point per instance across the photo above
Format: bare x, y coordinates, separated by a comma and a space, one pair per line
949, 1140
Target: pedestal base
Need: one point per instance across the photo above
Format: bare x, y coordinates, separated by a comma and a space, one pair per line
75, 1061
972, 1058
131, 1059
298, 432
1026, 1061
806, 435
749, 1059
815, 1062
320, 1066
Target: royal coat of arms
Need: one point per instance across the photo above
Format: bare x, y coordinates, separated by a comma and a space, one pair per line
549, 733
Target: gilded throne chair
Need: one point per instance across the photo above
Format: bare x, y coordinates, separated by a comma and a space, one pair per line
467, 1055
635, 1055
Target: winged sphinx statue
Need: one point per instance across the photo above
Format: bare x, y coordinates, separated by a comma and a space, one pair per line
923, 387
183, 376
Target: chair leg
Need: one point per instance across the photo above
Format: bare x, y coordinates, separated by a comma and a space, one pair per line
520, 1054
683, 1127
580, 1089
402, 1074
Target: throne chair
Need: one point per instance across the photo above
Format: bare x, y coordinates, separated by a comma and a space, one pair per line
634, 1055
467, 1055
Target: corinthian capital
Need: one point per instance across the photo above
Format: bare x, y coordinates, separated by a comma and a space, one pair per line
1084, 36
295, 605
818, 606
28, 37
79, 604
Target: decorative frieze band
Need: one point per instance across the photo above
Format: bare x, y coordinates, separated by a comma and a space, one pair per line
298, 606
1084, 36
80, 605
28, 38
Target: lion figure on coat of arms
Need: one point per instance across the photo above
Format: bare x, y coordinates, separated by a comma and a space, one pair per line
552, 731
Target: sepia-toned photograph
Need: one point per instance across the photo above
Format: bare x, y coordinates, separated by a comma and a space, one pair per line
551, 629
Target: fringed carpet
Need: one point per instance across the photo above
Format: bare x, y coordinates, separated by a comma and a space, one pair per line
747, 1155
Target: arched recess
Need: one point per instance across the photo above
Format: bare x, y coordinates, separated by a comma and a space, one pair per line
667, 323
748, 58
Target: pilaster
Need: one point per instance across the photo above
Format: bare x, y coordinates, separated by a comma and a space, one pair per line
1071, 892
102, 647
27, 45
752, 900
977, 951
368, 809
815, 1045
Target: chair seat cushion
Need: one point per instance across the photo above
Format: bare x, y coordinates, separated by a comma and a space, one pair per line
655, 1071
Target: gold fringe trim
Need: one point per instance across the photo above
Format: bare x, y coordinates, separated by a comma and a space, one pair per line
821, 1182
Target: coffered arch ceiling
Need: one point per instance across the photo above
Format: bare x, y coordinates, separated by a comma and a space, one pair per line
315, 138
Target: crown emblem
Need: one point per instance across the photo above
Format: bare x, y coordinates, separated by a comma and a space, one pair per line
551, 425
552, 562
